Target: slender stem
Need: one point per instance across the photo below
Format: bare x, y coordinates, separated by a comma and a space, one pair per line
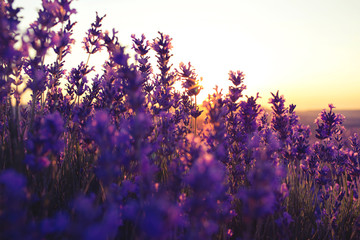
17, 103
195, 117
32, 112
87, 61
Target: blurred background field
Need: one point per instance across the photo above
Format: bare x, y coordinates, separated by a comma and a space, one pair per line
352, 118
351, 123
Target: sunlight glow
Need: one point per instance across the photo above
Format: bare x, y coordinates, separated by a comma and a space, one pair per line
307, 51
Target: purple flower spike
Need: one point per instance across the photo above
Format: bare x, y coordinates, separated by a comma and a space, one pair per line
14, 184
190, 81
259, 200
92, 41
162, 46
328, 123
140, 46
45, 141
206, 207
236, 77
78, 79
13, 205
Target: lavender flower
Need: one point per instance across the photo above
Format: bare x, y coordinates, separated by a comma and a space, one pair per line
78, 79
206, 180
235, 92
280, 119
56, 225
13, 205
324, 176
59, 9
116, 51
124, 139
46, 141
329, 124
62, 41
142, 48
38, 77
10, 56
249, 111
92, 41
190, 81
236, 77
92, 221
192, 86
162, 46
215, 133
259, 199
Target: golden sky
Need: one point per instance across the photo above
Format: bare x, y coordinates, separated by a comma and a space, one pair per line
308, 50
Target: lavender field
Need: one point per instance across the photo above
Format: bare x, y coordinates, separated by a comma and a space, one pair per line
123, 154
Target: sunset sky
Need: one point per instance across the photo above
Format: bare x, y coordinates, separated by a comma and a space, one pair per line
308, 50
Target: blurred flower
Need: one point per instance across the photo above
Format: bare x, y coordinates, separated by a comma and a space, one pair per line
259, 198
284, 190
90, 220
13, 185
55, 225
11, 52
59, 9
45, 141
216, 129
38, 76
160, 218
13, 205
324, 175
206, 206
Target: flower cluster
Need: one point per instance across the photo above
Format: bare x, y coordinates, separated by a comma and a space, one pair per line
124, 155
